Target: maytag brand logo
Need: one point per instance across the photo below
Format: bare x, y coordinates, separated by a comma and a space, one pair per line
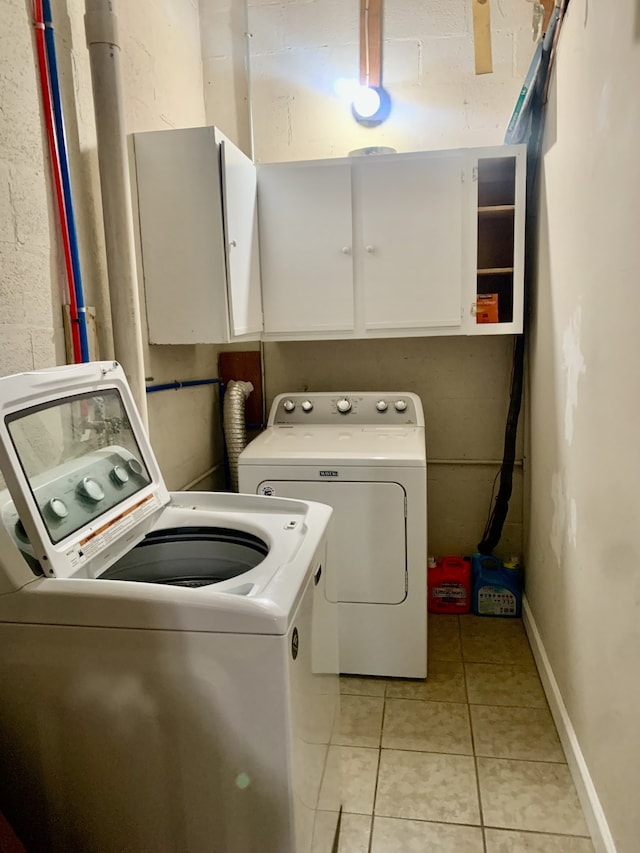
328, 473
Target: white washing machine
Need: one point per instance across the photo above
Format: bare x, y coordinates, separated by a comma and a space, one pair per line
362, 453
169, 661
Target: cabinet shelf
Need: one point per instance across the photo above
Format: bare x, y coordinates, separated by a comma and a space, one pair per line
495, 271
496, 209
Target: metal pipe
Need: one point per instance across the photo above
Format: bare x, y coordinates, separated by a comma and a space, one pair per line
38, 23
63, 159
485, 462
188, 383
104, 54
235, 431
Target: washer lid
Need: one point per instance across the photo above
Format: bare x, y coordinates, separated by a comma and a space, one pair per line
84, 483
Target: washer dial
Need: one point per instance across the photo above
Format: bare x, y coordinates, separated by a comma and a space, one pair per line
401, 405
382, 405
57, 508
288, 405
307, 406
90, 489
119, 475
343, 405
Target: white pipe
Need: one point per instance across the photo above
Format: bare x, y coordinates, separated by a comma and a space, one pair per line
104, 52
201, 477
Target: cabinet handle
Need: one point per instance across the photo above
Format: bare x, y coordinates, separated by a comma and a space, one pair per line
346, 250
370, 249
233, 243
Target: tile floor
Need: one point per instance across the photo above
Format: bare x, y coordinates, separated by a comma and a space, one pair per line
468, 761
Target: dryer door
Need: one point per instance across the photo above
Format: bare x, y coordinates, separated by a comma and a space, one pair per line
367, 541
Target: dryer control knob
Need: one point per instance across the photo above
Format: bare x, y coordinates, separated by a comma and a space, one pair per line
343, 405
90, 489
306, 406
382, 405
401, 405
288, 405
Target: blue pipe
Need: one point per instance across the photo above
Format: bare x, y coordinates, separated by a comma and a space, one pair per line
190, 383
66, 179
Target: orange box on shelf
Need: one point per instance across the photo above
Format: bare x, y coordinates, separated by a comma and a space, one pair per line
487, 308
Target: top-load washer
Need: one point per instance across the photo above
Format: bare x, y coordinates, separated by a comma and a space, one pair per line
363, 453
169, 660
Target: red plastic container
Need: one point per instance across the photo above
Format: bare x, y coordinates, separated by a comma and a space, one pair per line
449, 586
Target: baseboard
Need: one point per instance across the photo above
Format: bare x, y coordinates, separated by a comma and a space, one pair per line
594, 815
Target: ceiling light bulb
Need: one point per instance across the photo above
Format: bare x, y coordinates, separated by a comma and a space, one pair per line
366, 102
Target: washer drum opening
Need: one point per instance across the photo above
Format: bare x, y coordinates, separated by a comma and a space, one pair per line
190, 556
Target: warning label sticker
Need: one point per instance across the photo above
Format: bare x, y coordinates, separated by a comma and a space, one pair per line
108, 533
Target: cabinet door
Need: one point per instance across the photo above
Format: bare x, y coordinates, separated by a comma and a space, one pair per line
181, 234
409, 225
241, 236
305, 247
495, 301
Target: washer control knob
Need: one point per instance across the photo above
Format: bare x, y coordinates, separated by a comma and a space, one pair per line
57, 508
382, 405
90, 489
401, 405
119, 475
135, 467
343, 405
288, 405
306, 406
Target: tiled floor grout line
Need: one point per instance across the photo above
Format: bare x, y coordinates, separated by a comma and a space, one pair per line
473, 743
375, 789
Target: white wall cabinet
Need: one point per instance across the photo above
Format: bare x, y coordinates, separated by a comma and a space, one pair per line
393, 245
428, 243
199, 237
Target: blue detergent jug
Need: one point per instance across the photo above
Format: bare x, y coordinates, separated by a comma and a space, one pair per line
497, 589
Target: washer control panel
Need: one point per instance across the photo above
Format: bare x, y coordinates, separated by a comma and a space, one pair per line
78, 491
375, 408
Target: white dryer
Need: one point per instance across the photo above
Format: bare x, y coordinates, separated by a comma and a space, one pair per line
362, 453
169, 661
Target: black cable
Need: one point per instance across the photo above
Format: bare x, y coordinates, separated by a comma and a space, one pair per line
495, 523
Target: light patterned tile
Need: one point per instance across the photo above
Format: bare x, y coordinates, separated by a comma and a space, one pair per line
491, 626
357, 686
501, 684
412, 836
443, 641
529, 795
358, 771
427, 726
427, 786
521, 733
508, 841
355, 832
324, 830
360, 721
444, 683
509, 648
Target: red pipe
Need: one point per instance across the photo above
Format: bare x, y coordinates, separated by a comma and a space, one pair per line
57, 176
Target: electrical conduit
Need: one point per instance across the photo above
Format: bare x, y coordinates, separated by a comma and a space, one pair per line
104, 53
57, 177
63, 160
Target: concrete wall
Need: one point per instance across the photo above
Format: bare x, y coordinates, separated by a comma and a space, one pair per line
583, 581
296, 52
163, 88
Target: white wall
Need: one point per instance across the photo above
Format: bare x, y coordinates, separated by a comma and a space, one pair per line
163, 88
297, 50
583, 580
